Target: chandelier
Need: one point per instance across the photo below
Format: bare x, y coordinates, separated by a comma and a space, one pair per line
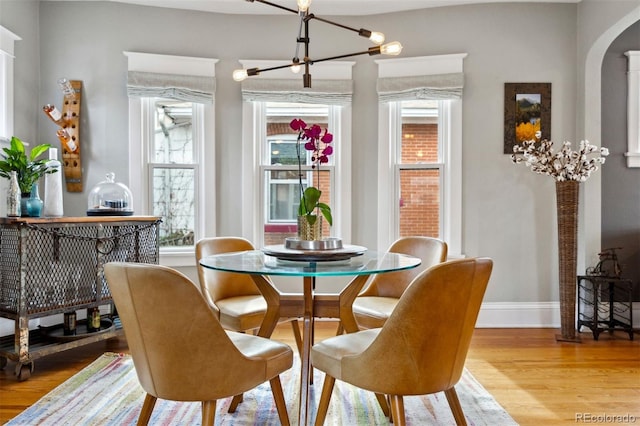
393, 48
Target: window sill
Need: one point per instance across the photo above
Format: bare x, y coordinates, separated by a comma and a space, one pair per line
177, 257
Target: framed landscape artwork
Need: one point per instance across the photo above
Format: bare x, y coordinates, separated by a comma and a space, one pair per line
527, 110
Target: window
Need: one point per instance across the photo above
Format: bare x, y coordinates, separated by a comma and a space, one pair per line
420, 176
419, 170
171, 114
279, 168
173, 165
7, 41
282, 184
633, 106
270, 172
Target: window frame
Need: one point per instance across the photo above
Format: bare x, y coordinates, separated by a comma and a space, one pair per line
7, 47
254, 133
140, 139
266, 167
332, 75
149, 111
633, 108
450, 140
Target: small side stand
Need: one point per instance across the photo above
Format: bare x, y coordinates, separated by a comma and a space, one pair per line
605, 304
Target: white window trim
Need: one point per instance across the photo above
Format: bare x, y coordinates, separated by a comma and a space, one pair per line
389, 129
138, 123
253, 129
7, 45
633, 109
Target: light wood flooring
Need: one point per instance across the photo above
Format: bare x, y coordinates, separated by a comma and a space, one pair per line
536, 379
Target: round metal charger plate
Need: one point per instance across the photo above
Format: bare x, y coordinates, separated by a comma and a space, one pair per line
283, 253
294, 243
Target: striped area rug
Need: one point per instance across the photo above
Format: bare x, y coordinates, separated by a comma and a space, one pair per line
107, 393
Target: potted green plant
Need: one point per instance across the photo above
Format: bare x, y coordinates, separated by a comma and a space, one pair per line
28, 168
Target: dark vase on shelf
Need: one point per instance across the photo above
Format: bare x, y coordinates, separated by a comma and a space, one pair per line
34, 203
24, 197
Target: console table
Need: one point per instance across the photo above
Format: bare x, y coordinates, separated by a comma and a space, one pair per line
55, 265
605, 304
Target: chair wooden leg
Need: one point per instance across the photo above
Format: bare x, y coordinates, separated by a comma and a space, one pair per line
454, 404
397, 410
147, 409
234, 403
325, 397
278, 397
340, 329
208, 413
297, 335
382, 400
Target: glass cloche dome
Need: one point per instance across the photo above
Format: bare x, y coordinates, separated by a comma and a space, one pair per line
110, 198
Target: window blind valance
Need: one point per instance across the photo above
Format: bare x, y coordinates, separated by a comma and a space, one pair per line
188, 88
437, 86
334, 92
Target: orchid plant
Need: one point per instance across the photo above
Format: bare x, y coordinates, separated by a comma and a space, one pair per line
319, 143
564, 165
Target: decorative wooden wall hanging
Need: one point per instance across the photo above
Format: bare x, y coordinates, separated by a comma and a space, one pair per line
71, 160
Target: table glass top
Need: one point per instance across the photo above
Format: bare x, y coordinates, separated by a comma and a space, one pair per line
258, 263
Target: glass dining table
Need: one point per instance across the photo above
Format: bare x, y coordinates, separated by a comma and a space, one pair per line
277, 261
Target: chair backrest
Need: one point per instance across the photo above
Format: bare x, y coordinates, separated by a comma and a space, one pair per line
216, 285
423, 345
430, 250
179, 349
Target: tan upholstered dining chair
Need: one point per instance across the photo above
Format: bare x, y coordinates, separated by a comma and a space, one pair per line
240, 304
179, 349
374, 304
422, 347
237, 300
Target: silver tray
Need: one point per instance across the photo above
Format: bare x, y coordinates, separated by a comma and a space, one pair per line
295, 243
282, 252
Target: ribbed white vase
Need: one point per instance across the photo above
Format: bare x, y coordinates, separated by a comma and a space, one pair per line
53, 187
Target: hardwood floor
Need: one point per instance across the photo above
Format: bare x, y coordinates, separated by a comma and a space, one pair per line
536, 379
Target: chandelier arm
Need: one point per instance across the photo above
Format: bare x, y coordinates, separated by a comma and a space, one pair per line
362, 32
308, 16
371, 51
306, 78
275, 5
297, 55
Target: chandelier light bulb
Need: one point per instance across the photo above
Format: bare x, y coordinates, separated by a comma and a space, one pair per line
240, 75
295, 66
393, 48
376, 38
303, 5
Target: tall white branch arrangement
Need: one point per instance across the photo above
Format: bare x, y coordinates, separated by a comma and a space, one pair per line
564, 165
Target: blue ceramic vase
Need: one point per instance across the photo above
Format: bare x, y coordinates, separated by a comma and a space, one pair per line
34, 203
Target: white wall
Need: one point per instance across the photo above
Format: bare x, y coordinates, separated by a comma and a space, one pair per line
509, 213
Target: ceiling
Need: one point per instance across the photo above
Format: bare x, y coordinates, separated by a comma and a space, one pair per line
324, 7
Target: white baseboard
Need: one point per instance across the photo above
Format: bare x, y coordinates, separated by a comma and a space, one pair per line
492, 315
528, 315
